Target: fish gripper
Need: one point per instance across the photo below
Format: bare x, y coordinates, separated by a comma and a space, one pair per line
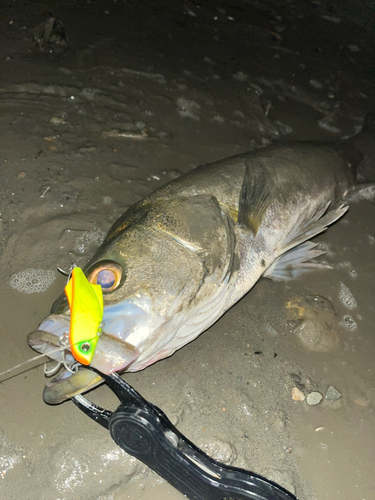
144, 431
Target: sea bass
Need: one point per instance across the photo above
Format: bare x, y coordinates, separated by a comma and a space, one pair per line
175, 261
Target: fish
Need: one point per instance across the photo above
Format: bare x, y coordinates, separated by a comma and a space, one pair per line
179, 258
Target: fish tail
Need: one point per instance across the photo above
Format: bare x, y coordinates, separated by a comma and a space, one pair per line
363, 151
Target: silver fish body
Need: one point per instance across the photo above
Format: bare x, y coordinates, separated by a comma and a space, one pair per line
190, 250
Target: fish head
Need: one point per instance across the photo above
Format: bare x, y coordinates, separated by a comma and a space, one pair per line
153, 272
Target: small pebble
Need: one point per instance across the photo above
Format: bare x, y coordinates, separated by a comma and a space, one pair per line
297, 395
314, 398
55, 120
218, 449
332, 393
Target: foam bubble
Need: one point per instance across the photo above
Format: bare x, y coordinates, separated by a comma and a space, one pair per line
346, 297
10, 455
349, 323
32, 280
88, 238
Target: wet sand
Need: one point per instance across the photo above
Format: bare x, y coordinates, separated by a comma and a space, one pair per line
147, 92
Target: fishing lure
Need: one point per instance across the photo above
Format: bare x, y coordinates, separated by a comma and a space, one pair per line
86, 312
110, 355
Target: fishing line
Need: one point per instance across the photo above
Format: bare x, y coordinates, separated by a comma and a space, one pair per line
64, 345
39, 356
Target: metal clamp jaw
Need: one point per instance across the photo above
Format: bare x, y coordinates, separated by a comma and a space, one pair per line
143, 430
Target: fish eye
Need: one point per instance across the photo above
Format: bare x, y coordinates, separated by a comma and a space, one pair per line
107, 274
106, 278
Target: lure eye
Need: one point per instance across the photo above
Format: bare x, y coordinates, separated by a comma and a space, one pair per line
108, 275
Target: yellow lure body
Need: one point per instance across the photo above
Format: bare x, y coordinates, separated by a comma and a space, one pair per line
86, 314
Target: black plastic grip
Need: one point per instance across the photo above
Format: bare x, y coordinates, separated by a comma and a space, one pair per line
145, 432
155, 441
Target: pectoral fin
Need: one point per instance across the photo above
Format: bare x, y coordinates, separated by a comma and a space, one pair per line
296, 262
297, 254
310, 225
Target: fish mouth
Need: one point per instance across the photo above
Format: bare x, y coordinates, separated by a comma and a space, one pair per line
68, 385
112, 354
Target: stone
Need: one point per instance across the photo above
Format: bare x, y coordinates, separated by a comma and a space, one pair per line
313, 318
332, 393
314, 398
316, 335
297, 395
56, 120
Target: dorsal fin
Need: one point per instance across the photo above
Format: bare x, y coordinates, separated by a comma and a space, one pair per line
256, 194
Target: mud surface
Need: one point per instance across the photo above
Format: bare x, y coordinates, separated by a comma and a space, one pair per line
146, 92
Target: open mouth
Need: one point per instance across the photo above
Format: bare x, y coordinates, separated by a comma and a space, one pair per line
73, 380
52, 339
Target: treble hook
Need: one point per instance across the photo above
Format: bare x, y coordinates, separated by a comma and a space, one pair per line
72, 368
69, 272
